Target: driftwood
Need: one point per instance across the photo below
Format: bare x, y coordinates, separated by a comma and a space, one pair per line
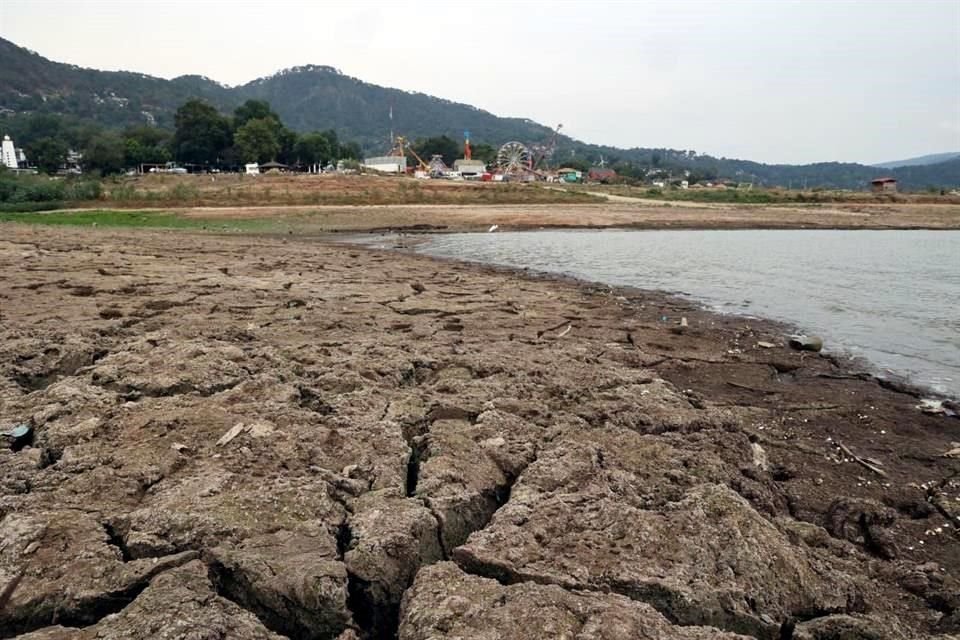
866, 462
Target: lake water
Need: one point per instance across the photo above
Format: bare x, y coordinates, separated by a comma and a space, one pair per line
892, 297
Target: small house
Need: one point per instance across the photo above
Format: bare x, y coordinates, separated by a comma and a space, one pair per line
883, 185
273, 167
469, 168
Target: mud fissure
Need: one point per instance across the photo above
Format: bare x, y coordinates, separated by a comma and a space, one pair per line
116, 539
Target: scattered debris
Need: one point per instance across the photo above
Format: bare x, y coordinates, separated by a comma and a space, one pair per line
947, 408
806, 343
232, 433
682, 327
766, 345
869, 463
954, 452
19, 436
565, 331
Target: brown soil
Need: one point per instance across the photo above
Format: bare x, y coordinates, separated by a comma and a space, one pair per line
355, 202
241, 437
326, 189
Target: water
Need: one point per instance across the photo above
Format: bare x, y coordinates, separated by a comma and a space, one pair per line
892, 297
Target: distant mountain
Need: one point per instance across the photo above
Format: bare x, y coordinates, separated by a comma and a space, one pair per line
318, 98
933, 158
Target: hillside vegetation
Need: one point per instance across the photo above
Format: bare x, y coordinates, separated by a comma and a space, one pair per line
320, 98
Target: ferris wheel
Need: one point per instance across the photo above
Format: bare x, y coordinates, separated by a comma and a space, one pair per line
514, 158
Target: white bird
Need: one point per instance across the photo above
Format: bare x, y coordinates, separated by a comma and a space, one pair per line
493, 228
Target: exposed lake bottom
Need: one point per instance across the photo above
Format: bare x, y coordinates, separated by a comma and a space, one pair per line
889, 297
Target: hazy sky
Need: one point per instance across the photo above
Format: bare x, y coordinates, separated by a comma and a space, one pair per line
774, 81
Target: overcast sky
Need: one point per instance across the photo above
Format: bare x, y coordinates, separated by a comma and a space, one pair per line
773, 81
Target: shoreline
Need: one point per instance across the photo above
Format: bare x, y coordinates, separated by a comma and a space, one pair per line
859, 365
257, 413
318, 219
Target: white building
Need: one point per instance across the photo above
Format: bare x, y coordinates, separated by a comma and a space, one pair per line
9, 153
387, 164
469, 168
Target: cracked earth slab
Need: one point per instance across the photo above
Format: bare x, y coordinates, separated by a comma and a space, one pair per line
258, 438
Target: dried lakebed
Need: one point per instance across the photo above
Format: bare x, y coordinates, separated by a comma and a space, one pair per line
256, 438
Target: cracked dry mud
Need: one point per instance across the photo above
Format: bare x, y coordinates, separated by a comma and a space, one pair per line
246, 438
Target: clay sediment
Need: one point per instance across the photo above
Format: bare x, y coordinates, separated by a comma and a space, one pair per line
263, 438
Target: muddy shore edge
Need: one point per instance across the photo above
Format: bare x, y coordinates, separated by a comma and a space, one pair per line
255, 437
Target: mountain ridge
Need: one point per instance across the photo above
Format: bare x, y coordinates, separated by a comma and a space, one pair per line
319, 97
919, 161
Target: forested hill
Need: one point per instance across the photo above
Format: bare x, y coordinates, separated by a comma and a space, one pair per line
31, 83
306, 98
313, 98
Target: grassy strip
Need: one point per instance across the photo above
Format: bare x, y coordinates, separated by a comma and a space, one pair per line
14, 207
137, 219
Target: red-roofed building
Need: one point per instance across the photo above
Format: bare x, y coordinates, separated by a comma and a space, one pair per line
884, 185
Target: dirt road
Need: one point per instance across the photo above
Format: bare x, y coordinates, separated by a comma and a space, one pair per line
240, 437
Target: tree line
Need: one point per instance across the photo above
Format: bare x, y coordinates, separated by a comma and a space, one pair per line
201, 137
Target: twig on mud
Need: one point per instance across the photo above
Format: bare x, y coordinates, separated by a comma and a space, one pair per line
869, 465
749, 388
565, 331
812, 407
553, 328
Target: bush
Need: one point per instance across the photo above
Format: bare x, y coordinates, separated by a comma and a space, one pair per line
23, 189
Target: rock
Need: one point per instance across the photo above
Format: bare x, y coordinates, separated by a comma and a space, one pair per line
707, 559
766, 345
390, 538
292, 581
71, 570
460, 484
447, 603
863, 521
806, 343
847, 627
177, 604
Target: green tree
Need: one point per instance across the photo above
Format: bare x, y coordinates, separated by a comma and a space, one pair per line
443, 145
257, 140
576, 163
48, 154
105, 154
485, 153
146, 145
313, 148
351, 151
287, 140
201, 133
253, 110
